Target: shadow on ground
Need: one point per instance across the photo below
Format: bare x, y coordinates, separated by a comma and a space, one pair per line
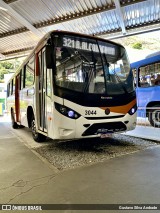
76, 153
91, 144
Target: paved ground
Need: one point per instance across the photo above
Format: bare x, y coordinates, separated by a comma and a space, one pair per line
25, 178
146, 132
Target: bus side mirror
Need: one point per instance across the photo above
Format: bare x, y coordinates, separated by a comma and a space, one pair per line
50, 61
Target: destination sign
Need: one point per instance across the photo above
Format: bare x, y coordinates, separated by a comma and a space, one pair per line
88, 46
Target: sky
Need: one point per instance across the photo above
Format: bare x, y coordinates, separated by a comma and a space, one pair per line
154, 34
136, 55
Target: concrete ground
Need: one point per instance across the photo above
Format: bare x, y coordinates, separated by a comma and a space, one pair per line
27, 179
145, 130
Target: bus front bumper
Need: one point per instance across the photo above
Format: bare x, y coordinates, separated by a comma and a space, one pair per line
94, 128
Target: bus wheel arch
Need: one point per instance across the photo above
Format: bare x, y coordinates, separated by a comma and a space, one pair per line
38, 137
30, 113
154, 114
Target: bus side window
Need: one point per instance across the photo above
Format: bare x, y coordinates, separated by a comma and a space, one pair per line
144, 77
29, 73
40, 69
8, 90
13, 87
22, 79
48, 83
155, 75
149, 75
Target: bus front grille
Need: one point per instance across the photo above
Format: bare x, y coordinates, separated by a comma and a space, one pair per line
105, 128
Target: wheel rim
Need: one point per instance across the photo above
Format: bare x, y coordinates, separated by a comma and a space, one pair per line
156, 117
33, 128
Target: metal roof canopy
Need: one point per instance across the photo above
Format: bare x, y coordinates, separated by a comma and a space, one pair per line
23, 23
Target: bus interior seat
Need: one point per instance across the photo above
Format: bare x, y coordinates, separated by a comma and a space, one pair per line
155, 81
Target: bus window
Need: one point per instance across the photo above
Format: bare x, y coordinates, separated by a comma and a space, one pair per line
149, 75
29, 73
21, 80
48, 84
13, 87
8, 90
43, 68
40, 68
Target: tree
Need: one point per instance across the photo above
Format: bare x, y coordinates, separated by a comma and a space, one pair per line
8, 67
2, 72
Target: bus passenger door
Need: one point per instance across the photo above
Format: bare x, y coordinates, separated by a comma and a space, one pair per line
17, 103
42, 92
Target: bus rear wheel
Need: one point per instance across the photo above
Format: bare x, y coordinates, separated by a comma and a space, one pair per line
36, 135
154, 116
14, 124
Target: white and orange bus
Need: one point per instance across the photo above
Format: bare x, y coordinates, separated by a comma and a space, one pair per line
73, 86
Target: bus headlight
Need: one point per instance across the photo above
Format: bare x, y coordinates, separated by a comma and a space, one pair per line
132, 110
70, 113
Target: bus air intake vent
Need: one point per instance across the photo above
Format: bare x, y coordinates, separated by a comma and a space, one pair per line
110, 127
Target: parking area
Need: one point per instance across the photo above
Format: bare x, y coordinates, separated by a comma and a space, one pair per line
64, 155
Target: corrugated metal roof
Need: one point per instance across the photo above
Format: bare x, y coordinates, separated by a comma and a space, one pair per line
47, 9
7, 22
142, 13
112, 18
89, 25
21, 41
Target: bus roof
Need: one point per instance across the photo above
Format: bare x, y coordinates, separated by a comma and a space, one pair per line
145, 62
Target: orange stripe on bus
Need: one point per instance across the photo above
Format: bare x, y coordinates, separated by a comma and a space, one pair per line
121, 109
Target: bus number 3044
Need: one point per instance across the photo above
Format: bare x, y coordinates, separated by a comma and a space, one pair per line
90, 112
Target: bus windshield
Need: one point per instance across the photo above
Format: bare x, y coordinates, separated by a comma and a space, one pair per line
91, 66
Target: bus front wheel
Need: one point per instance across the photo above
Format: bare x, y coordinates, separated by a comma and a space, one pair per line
36, 135
154, 116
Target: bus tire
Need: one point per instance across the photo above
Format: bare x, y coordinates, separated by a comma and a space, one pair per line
154, 116
14, 124
36, 135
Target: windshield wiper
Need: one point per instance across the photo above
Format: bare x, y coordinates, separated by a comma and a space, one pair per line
102, 66
119, 80
82, 57
88, 69
88, 75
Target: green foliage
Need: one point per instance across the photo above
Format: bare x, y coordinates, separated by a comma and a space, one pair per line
2, 72
8, 67
5, 68
137, 45
29, 79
